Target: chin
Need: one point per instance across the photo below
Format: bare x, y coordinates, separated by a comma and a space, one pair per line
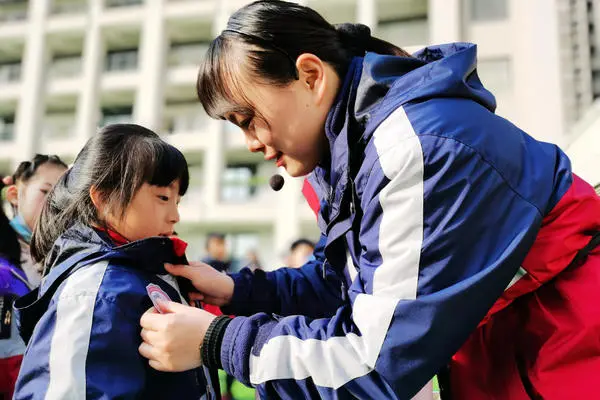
297, 169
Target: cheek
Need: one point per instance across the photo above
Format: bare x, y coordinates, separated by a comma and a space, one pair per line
31, 202
142, 221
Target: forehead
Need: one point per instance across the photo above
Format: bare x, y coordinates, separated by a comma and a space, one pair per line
173, 186
47, 174
216, 240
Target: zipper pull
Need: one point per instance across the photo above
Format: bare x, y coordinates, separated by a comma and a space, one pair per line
324, 270
344, 294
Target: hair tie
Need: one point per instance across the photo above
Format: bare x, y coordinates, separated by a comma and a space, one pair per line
354, 37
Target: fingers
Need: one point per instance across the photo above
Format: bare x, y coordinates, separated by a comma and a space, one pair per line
173, 307
150, 337
152, 320
148, 351
197, 264
179, 270
196, 296
157, 366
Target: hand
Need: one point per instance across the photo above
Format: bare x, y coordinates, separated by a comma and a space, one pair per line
172, 341
215, 287
7, 180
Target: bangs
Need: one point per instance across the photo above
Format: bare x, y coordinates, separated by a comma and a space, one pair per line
220, 87
166, 165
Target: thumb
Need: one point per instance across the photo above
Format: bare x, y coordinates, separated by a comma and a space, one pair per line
169, 307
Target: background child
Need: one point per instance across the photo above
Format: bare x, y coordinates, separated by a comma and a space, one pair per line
103, 237
13, 283
31, 183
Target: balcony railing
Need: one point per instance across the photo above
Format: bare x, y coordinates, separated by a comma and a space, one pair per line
10, 72
122, 3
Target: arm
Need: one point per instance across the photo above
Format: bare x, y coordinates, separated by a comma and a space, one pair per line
288, 291
440, 244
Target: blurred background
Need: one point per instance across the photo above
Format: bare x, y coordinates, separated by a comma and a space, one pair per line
68, 67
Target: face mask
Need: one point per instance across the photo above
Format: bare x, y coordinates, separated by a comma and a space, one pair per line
19, 225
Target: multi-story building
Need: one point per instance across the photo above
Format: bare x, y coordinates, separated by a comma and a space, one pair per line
70, 66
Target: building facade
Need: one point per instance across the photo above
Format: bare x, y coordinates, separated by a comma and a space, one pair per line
68, 67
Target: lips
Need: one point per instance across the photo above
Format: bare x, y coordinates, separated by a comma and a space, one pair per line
279, 160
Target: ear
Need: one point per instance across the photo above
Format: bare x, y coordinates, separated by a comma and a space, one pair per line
96, 197
312, 74
12, 195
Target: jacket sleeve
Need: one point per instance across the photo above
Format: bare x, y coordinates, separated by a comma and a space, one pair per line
83, 348
442, 236
288, 291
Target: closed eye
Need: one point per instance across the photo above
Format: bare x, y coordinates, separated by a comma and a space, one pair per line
245, 123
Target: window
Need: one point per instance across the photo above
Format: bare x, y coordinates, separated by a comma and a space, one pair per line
596, 84
187, 53
10, 72
68, 66
122, 3
238, 183
68, 6
489, 10
116, 115
7, 127
402, 33
191, 121
59, 126
121, 60
14, 12
495, 74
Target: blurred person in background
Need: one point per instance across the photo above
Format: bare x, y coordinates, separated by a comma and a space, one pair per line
13, 284
301, 252
253, 260
26, 193
216, 252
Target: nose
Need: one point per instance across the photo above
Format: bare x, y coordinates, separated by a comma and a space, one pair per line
174, 218
254, 145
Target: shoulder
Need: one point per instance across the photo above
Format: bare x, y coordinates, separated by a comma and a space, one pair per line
107, 285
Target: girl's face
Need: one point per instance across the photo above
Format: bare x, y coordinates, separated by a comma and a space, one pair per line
288, 122
153, 211
29, 197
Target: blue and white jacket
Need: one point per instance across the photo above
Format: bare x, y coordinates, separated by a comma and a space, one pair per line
429, 203
83, 327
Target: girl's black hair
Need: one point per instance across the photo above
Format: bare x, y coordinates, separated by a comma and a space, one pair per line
264, 39
10, 249
117, 161
27, 169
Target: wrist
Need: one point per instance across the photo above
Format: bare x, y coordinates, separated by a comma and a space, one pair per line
210, 350
229, 292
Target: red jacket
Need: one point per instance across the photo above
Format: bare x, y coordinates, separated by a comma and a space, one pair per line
541, 339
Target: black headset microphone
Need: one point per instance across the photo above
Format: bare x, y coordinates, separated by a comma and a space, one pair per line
276, 182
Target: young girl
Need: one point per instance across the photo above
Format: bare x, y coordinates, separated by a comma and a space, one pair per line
13, 283
449, 235
31, 183
103, 237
